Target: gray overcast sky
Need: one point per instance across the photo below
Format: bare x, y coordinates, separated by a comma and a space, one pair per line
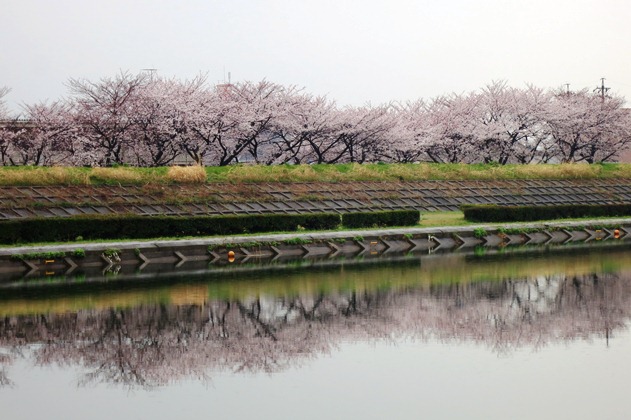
353, 51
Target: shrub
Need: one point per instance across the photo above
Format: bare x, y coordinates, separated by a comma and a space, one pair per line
381, 218
39, 255
93, 227
138, 227
79, 253
297, 241
479, 233
111, 252
494, 213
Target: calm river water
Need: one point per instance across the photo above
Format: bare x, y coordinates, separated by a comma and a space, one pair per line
513, 334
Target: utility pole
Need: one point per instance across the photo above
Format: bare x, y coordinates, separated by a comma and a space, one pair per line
602, 89
152, 73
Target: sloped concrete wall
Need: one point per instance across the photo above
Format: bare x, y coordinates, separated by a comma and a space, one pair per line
295, 198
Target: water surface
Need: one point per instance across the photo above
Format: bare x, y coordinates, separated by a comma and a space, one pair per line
511, 334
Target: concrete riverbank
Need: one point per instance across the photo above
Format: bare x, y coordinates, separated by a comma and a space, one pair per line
64, 259
300, 198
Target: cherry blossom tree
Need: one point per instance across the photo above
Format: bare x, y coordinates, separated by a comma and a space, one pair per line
530, 128
324, 134
452, 122
409, 135
315, 128
260, 106
211, 120
587, 127
511, 124
232, 123
104, 112
8, 133
49, 137
364, 132
162, 114
305, 122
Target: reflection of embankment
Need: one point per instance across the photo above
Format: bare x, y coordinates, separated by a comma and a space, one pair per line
314, 277
153, 344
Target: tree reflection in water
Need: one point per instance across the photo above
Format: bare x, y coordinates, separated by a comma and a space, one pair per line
154, 344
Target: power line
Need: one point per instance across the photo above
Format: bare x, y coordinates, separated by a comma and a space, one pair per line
620, 83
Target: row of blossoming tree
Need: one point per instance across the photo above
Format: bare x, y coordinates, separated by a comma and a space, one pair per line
153, 121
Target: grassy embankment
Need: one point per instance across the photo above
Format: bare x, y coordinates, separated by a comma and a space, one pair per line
303, 173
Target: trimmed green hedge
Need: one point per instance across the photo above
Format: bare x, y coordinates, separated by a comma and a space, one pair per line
381, 219
64, 229
493, 213
139, 227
